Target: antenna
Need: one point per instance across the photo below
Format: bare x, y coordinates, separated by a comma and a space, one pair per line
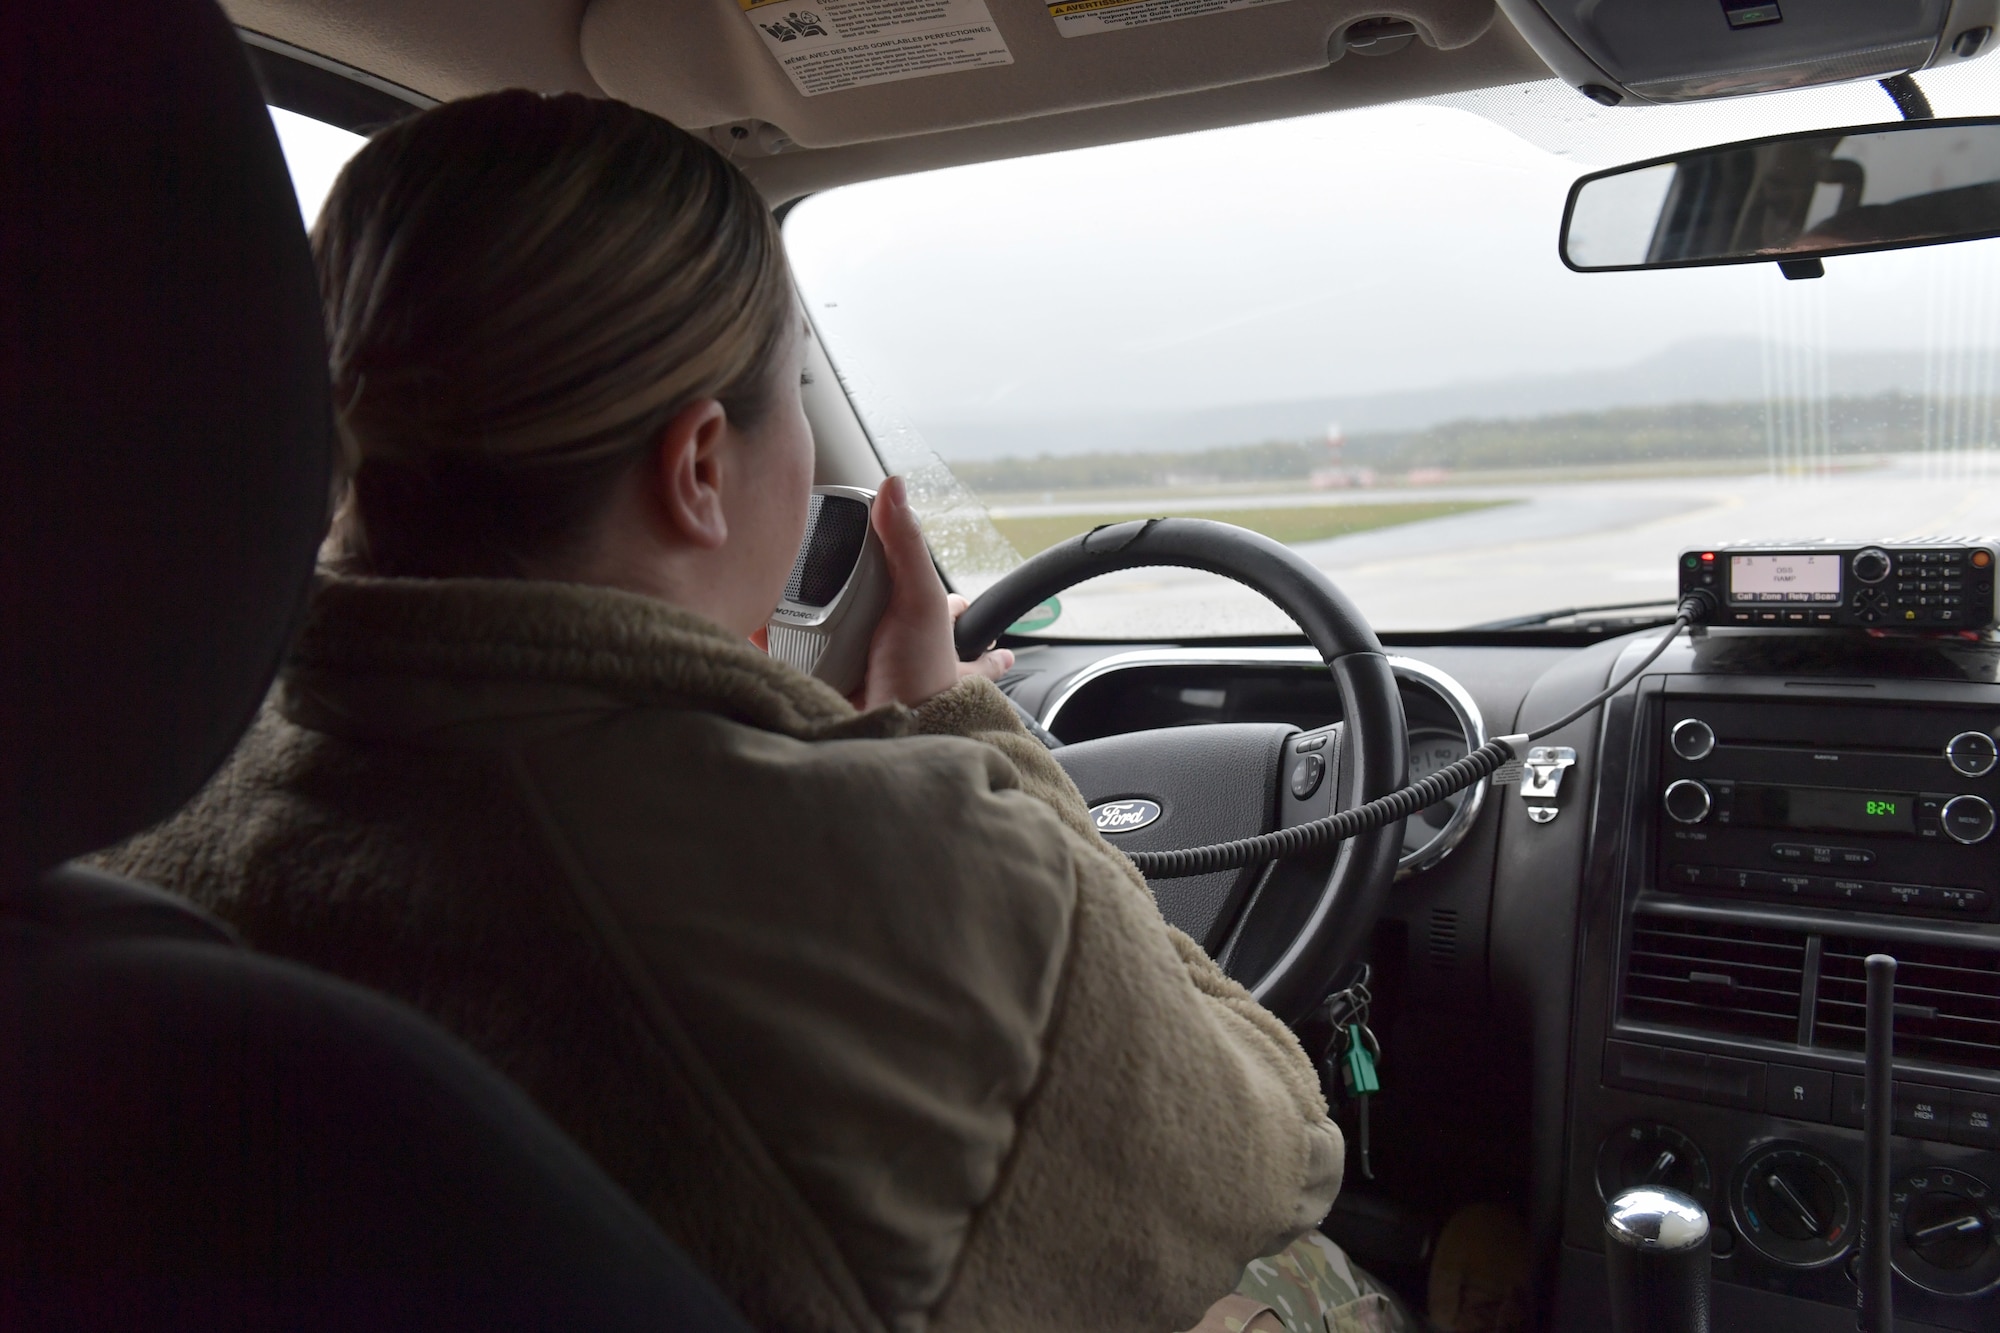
1874, 1302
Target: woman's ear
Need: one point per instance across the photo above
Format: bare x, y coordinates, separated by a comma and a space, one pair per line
688, 475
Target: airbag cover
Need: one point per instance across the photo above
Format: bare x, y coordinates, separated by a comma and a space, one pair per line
1212, 783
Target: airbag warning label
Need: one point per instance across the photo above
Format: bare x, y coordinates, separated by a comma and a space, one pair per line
828, 45
1078, 18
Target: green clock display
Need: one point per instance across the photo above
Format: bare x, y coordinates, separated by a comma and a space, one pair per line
1834, 809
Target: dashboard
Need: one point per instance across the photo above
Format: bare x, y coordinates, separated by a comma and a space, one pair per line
1648, 969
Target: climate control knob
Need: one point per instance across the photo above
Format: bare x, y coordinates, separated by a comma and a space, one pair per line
1944, 1232
1692, 738
1688, 801
1967, 819
1870, 564
1972, 753
1793, 1205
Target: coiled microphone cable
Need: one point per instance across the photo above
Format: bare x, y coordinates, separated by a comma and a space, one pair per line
1401, 804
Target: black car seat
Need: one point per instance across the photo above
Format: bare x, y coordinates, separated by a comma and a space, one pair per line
192, 1136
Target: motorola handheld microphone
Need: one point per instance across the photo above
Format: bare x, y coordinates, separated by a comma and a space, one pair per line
837, 592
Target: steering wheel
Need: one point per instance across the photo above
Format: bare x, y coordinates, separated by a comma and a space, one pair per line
1231, 780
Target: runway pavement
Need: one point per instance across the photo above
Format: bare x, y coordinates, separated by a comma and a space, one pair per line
1559, 545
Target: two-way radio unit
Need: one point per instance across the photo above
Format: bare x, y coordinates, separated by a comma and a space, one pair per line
1933, 584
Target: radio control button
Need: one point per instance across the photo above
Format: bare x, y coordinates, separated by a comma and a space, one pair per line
1972, 753
1788, 851
1968, 819
1693, 738
1870, 564
1688, 802
1930, 815
1902, 895
1854, 856
1973, 901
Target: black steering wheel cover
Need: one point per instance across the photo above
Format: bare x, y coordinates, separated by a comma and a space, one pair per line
1293, 584
1375, 746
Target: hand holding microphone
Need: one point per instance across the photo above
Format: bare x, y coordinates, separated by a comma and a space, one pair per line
865, 609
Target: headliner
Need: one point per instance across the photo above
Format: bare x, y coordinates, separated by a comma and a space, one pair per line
701, 64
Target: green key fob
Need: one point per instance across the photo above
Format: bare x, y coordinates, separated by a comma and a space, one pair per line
1359, 1076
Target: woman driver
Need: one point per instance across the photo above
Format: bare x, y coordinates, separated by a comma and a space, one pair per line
854, 1001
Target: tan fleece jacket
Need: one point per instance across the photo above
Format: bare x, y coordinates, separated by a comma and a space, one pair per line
857, 1005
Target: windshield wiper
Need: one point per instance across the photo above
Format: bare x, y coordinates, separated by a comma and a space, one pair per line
1583, 613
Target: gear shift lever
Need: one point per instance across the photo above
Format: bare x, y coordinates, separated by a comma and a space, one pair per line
1656, 1255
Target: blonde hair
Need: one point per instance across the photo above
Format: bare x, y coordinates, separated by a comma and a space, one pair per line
520, 291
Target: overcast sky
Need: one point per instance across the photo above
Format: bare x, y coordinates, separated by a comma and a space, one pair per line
1383, 249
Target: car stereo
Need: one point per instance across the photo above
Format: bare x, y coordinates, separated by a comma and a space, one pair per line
1933, 584
1883, 807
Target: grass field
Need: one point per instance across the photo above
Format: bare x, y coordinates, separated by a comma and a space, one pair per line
1290, 524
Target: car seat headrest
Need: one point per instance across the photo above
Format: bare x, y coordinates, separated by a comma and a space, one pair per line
165, 434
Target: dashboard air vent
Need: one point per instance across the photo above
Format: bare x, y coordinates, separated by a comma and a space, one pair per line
1947, 1000
1444, 938
1713, 976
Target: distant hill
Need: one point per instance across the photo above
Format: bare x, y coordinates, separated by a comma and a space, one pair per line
1833, 427
1712, 371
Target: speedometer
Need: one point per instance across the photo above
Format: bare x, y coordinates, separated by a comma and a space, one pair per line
1444, 726
1430, 751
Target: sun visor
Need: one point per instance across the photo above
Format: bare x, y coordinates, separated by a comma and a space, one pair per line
1624, 51
780, 75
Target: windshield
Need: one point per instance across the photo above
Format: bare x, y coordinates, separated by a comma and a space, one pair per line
1352, 332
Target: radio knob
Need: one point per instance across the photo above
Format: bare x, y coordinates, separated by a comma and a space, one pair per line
1967, 819
1688, 803
1972, 753
1870, 564
1693, 738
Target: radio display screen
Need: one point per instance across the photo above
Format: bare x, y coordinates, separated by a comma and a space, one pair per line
1784, 578
1831, 808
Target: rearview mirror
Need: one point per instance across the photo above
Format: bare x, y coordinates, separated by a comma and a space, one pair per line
1791, 197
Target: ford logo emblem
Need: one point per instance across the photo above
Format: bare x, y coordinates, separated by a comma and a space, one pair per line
1123, 816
